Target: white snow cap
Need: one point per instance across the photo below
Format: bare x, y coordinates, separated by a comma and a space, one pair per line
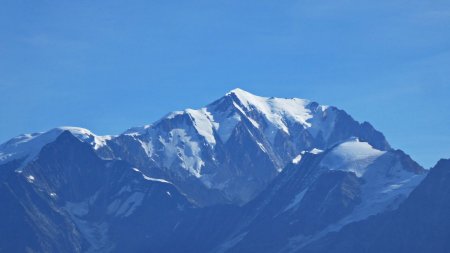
276, 109
353, 155
278, 112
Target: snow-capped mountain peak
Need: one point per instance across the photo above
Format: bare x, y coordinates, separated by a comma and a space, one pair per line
27, 146
235, 145
284, 163
276, 110
279, 114
352, 155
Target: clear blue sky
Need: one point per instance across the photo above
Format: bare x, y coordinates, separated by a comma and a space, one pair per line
110, 65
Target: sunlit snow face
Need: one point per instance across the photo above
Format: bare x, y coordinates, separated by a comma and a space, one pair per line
354, 156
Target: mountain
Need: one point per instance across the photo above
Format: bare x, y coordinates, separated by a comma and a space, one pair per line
420, 224
242, 174
70, 200
226, 152
26, 146
321, 193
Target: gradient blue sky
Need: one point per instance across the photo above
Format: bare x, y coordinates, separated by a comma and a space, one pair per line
110, 65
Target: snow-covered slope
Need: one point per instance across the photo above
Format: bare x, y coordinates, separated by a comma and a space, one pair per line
27, 146
292, 170
239, 143
420, 224
227, 151
70, 200
221, 117
322, 191
387, 177
279, 113
353, 156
